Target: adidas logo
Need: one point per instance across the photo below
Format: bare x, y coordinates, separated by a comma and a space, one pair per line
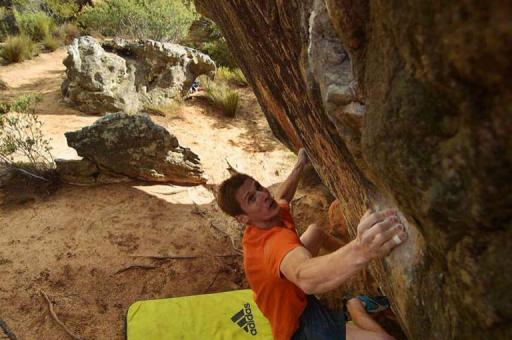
245, 320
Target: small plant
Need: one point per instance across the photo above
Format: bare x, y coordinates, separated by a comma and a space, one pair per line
222, 97
36, 25
51, 43
232, 76
67, 32
21, 135
165, 109
219, 51
18, 48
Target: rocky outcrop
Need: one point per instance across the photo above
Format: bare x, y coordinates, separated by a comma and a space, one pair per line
404, 105
132, 76
120, 145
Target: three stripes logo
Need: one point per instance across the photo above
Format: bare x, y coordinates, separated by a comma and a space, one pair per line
245, 320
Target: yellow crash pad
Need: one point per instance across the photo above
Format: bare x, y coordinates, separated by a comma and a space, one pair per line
229, 315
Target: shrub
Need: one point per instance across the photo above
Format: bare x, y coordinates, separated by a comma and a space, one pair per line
165, 109
222, 97
61, 10
51, 43
232, 76
206, 36
18, 48
67, 32
165, 20
21, 135
7, 23
37, 25
219, 51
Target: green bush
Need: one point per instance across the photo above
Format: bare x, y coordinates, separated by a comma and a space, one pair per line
18, 48
219, 51
21, 134
67, 32
164, 20
206, 36
61, 10
36, 25
222, 97
51, 43
7, 23
231, 76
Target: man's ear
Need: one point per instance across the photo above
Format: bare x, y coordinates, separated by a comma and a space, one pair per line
242, 218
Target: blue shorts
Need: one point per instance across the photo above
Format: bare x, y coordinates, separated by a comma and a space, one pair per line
319, 323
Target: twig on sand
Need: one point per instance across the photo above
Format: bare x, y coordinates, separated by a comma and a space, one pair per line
198, 211
7, 331
219, 230
211, 283
172, 192
213, 226
135, 266
166, 257
232, 171
55, 317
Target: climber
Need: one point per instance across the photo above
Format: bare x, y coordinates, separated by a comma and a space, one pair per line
282, 269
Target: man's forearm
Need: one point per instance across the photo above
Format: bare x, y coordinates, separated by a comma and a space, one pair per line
321, 274
288, 188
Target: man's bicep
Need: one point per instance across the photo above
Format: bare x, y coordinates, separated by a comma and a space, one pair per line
291, 262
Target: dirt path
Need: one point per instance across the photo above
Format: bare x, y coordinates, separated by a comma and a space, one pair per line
71, 244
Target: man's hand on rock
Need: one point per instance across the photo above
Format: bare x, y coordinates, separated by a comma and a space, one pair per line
378, 233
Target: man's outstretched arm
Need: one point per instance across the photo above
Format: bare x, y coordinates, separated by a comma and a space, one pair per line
287, 189
377, 235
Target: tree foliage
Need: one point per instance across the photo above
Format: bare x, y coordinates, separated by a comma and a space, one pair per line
21, 136
164, 20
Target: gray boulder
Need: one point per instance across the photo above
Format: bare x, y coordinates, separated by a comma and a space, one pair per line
133, 146
129, 76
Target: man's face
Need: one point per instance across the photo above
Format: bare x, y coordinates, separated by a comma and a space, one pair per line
257, 203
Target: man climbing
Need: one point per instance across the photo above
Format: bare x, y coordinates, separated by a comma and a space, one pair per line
283, 271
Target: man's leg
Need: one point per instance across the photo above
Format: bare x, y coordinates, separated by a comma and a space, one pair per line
315, 237
364, 327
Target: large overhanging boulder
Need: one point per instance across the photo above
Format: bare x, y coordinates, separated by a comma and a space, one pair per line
132, 77
404, 105
121, 145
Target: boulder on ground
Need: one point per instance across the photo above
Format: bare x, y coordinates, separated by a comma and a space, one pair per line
129, 76
133, 146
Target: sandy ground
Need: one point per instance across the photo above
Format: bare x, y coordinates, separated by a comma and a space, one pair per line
72, 244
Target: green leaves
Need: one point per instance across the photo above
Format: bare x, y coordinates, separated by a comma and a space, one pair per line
21, 134
163, 20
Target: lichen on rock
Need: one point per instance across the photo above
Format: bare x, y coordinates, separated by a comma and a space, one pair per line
128, 76
134, 147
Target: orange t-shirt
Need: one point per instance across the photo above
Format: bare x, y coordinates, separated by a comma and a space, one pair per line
281, 301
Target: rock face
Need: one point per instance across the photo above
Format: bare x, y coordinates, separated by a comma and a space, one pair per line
404, 105
133, 146
131, 77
